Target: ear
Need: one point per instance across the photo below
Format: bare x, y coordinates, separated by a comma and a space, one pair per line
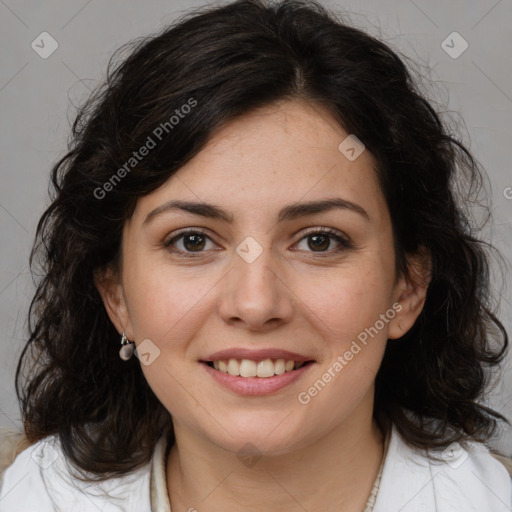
411, 292
109, 286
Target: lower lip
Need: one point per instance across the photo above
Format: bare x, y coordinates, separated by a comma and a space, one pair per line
256, 385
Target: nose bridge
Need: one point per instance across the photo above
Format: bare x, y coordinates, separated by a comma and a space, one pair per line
255, 294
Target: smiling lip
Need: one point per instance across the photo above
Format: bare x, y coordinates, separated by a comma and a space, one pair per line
256, 385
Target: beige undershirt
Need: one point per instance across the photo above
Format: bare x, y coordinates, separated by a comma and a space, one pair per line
160, 497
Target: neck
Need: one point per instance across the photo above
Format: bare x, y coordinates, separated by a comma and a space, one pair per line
335, 473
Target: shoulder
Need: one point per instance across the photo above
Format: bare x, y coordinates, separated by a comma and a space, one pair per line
506, 461
12, 442
463, 479
41, 478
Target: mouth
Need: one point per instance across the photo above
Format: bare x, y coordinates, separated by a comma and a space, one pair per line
262, 369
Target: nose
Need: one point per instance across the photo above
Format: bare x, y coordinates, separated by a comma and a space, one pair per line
256, 295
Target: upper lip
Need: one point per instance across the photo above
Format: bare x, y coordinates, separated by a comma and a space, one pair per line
257, 355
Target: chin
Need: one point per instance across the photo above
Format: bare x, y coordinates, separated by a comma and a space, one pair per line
268, 436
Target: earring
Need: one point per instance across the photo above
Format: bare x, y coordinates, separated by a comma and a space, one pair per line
127, 348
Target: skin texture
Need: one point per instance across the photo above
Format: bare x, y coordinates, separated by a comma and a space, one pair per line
323, 455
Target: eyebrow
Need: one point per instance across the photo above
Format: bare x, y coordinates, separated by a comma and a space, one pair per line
290, 212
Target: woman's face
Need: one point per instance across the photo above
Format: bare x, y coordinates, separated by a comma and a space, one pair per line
257, 284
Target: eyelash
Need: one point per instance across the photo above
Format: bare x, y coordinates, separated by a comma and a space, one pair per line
344, 242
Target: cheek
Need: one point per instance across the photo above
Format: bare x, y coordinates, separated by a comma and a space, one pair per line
349, 301
164, 301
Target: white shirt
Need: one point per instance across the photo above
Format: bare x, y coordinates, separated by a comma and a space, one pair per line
41, 480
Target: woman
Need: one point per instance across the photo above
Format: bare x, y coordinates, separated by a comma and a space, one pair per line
262, 204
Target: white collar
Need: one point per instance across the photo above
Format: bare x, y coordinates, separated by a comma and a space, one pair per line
159, 494
469, 480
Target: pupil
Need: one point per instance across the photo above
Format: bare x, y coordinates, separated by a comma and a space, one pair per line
319, 246
194, 244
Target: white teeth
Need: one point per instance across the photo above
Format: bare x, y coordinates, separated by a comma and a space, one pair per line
280, 366
249, 368
233, 367
265, 368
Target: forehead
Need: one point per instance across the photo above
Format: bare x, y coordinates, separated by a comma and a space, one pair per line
283, 153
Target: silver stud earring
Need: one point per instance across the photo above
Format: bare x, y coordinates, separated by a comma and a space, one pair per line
127, 348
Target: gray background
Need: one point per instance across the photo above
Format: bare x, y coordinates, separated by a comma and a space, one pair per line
38, 99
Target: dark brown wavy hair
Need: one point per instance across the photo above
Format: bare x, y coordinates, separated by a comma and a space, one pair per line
231, 60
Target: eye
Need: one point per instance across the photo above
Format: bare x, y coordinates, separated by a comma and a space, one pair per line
319, 240
192, 242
